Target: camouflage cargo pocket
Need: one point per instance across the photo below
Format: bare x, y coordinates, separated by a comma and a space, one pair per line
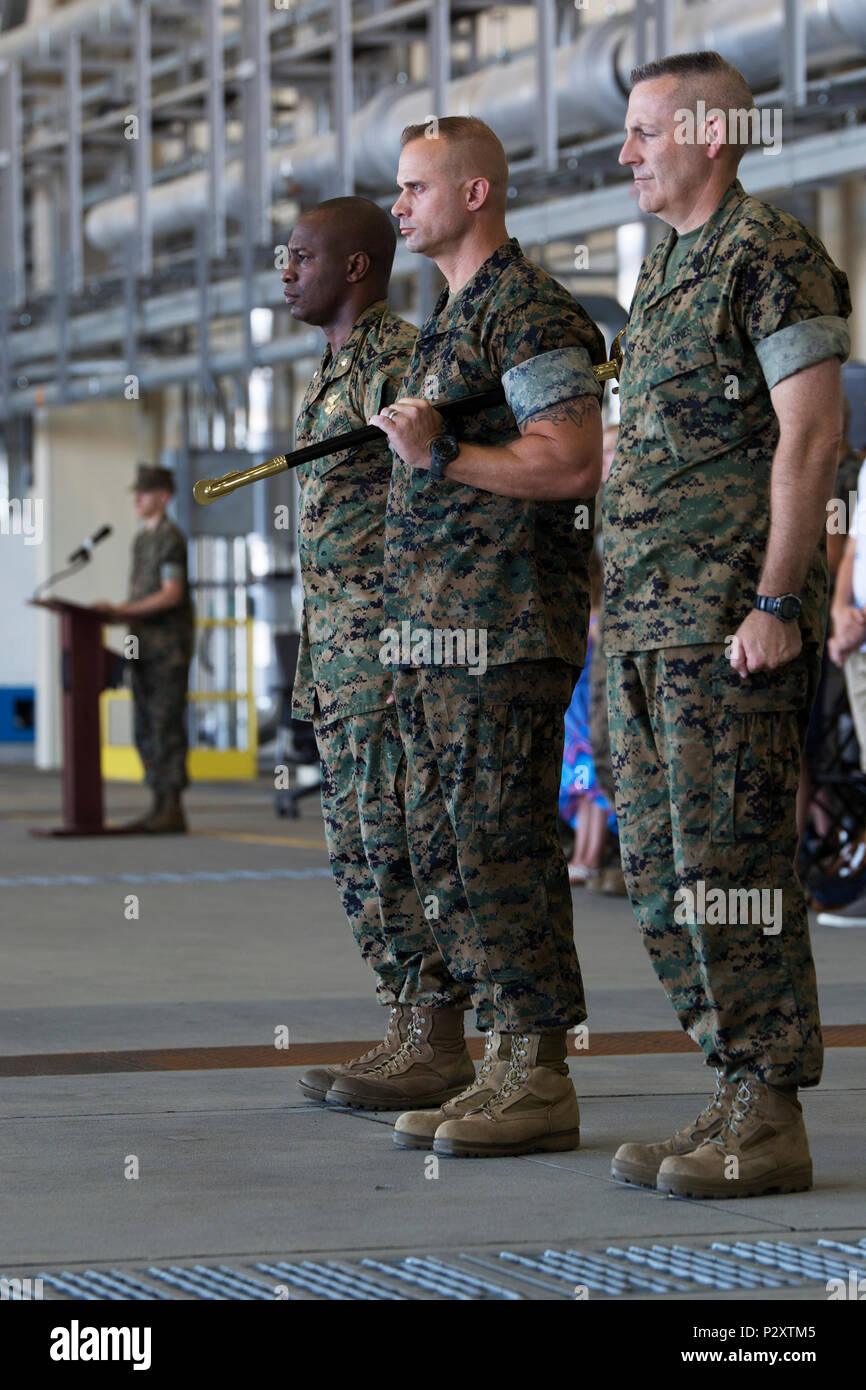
367, 745
393, 778
756, 751
503, 771
690, 414
335, 759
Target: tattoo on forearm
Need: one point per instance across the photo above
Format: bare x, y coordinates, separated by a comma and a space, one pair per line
575, 411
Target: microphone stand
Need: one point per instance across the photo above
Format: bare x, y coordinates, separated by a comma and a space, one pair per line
61, 574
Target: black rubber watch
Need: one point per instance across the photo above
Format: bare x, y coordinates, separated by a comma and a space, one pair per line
787, 608
443, 450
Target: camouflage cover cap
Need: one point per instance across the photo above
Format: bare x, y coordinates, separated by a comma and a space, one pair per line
150, 478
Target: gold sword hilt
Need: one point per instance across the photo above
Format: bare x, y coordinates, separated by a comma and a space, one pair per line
208, 490
610, 371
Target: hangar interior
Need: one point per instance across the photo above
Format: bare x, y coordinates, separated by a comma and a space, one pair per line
153, 159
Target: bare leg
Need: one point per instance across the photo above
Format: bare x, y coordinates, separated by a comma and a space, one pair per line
589, 836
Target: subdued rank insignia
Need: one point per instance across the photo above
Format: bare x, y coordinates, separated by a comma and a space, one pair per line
333, 402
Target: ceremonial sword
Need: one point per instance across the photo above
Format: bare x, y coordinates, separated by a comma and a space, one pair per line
207, 490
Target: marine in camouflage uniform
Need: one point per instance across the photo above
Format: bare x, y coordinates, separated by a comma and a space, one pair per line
336, 276
706, 763
159, 674
599, 735
487, 604
484, 747
340, 683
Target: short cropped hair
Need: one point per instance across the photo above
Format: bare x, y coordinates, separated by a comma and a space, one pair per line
703, 76
477, 141
359, 224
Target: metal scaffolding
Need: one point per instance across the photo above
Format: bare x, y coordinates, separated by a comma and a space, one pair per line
154, 153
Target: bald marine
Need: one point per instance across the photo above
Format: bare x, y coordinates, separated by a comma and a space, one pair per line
465, 149
453, 181
339, 261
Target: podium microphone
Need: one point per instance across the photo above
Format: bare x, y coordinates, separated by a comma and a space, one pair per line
83, 551
78, 558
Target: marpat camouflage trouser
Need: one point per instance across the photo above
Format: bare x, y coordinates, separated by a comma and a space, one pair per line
599, 736
363, 770
484, 756
706, 768
159, 722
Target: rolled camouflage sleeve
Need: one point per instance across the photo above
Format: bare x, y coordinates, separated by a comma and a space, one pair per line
801, 345
542, 381
545, 355
796, 302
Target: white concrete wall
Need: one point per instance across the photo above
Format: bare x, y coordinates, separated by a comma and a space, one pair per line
84, 464
841, 218
18, 559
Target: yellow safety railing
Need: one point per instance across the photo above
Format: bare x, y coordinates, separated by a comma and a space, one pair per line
119, 757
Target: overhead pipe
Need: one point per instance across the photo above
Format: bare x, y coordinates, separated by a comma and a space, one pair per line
47, 37
166, 372
591, 77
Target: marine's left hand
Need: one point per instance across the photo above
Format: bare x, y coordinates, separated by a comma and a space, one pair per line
107, 611
411, 424
763, 643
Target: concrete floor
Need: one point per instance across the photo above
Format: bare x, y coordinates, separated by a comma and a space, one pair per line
235, 1169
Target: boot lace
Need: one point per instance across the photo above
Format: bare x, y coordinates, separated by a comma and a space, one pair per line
410, 1047
391, 1034
515, 1077
488, 1059
715, 1100
484, 1070
739, 1112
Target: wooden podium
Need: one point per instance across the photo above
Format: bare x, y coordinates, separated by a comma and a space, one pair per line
85, 670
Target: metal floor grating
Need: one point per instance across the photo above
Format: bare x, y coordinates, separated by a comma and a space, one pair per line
653, 1270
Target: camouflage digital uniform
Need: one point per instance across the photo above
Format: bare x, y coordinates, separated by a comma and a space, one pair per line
160, 672
340, 683
599, 735
706, 765
484, 751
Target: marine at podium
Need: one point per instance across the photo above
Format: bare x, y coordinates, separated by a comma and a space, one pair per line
159, 613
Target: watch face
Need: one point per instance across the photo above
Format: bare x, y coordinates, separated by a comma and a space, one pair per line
444, 449
789, 608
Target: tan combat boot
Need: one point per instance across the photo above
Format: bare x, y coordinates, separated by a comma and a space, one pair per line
534, 1108
639, 1163
761, 1148
317, 1081
430, 1067
168, 819
140, 823
415, 1129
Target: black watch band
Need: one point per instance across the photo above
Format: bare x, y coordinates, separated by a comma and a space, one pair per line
443, 450
787, 607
